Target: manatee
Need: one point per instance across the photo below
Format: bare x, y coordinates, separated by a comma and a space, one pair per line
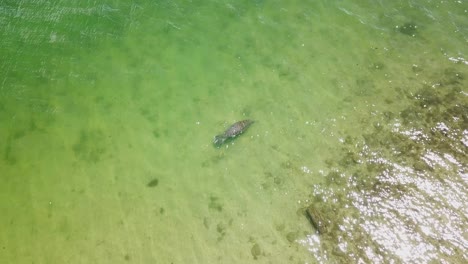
233, 131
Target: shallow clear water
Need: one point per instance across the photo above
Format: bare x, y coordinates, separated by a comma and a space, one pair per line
108, 111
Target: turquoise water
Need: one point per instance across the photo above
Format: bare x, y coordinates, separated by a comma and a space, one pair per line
108, 111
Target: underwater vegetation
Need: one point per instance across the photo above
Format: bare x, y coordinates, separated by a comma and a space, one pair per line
391, 176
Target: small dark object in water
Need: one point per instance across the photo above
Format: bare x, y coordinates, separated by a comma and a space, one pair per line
153, 183
317, 219
233, 131
409, 29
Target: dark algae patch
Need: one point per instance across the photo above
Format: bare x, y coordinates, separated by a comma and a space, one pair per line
153, 183
215, 204
256, 251
91, 146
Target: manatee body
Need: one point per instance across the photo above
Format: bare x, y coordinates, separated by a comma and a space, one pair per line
233, 131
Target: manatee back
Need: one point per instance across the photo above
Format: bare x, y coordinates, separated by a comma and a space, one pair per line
237, 128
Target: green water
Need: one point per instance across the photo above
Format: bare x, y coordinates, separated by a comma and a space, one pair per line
108, 111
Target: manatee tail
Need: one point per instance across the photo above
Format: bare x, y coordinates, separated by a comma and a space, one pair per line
219, 140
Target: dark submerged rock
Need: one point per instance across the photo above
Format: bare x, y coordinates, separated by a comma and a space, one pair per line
317, 219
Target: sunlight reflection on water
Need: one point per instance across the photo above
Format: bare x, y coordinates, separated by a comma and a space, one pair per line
406, 184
